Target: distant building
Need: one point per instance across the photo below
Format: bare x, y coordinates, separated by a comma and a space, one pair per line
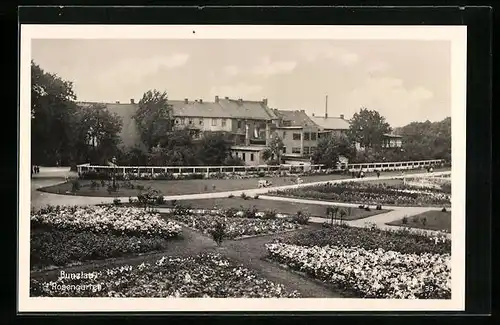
331, 125
392, 141
299, 134
251, 155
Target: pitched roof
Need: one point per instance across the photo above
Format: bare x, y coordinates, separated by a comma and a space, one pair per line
295, 118
331, 123
228, 108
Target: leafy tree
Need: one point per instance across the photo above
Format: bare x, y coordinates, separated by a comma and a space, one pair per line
274, 150
233, 161
135, 156
180, 149
213, 149
97, 133
329, 150
367, 128
427, 140
154, 118
52, 111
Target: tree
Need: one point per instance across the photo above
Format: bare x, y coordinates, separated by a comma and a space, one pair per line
367, 128
154, 118
427, 140
274, 150
179, 149
97, 133
52, 110
329, 150
213, 149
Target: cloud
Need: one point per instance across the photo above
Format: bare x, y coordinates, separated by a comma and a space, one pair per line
318, 52
268, 68
239, 90
399, 103
134, 69
265, 68
378, 66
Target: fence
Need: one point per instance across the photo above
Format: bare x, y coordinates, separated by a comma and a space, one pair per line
184, 170
176, 170
400, 165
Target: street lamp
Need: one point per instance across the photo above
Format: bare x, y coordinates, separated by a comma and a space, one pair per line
113, 160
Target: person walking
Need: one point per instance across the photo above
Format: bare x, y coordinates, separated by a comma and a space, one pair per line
378, 173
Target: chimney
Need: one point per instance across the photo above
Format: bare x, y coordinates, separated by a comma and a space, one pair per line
185, 100
226, 97
216, 99
302, 111
326, 107
312, 114
131, 101
342, 116
201, 101
264, 101
118, 102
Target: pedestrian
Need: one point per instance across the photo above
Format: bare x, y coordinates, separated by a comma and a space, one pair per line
378, 173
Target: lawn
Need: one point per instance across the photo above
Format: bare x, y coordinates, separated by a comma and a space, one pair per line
180, 187
432, 220
279, 206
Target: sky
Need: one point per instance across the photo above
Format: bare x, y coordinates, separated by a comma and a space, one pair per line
404, 80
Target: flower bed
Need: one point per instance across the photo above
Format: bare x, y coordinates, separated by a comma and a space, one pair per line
402, 241
366, 193
371, 273
51, 248
205, 275
106, 219
237, 227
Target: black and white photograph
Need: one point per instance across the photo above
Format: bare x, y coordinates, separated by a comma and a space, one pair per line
277, 167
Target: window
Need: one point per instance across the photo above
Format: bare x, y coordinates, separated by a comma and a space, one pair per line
284, 149
313, 136
190, 121
214, 122
183, 121
284, 134
243, 156
176, 121
201, 121
239, 124
251, 157
296, 150
306, 150
296, 136
223, 123
306, 136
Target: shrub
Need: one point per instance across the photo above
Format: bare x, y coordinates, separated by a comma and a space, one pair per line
150, 197
230, 196
230, 213
379, 207
131, 200
262, 174
367, 209
443, 210
94, 185
405, 220
361, 206
140, 187
117, 201
256, 196
180, 209
174, 203
219, 231
75, 186
301, 218
423, 220
269, 214
249, 212
244, 196
103, 183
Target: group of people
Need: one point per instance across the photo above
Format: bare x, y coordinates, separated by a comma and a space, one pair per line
35, 169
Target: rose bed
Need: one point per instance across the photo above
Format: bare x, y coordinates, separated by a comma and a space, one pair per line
204, 275
370, 273
366, 193
106, 219
237, 227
